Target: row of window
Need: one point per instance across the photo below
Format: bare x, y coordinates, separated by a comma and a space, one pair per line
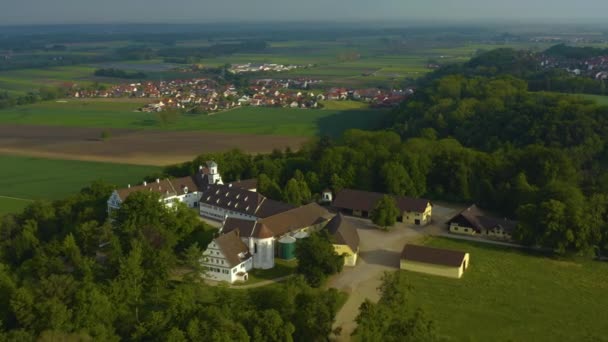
218, 270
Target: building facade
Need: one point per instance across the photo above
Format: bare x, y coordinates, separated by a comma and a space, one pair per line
474, 221
434, 261
227, 259
187, 190
262, 235
416, 211
344, 238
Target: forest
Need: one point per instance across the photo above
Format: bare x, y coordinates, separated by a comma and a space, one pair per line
524, 65
66, 273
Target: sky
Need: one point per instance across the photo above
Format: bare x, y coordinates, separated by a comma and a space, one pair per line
207, 11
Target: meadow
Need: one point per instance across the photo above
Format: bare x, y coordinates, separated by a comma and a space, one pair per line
252, 120
26, 80
601, 99
509, 295
23, 179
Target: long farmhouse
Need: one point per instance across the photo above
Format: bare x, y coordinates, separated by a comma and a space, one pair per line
186, 190
416, 211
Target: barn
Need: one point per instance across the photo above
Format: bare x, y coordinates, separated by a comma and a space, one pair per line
435, 261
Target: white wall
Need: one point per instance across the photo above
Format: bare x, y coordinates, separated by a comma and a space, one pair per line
217, 267
218, 214
264, 258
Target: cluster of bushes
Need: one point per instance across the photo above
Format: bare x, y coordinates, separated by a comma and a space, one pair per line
66, 273
43, 94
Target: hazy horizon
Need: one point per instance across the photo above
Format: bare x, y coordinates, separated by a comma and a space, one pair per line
28, 12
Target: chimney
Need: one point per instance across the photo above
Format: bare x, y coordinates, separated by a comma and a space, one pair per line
145, 183
157, 180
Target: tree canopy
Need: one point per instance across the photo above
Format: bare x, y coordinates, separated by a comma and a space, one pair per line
385, 212
317, 258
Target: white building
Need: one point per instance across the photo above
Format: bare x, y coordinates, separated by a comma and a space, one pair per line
227, 259
186, 189
219, 201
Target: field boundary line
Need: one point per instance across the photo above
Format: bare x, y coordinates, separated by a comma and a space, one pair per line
17, 198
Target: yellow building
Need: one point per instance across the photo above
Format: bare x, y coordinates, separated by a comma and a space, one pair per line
417, 211
435, 261
419, 216
473, 221
345, 239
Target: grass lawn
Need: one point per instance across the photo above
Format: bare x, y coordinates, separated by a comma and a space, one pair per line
9, 205
37, 178
508, 295
25, 80
343, 105
601, 99
281, 268
252, 120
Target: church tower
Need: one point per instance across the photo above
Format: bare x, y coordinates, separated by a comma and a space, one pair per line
214, 174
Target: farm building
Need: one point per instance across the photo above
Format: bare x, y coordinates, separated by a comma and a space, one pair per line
206, 191
266, 239
186, 189
473, 221
345, 239
227, 258
360, 203
218, 201
435, 261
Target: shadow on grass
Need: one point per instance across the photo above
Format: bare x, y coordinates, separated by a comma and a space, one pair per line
281, 268
492, 247
366, 119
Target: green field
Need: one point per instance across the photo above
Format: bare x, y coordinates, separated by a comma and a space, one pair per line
344, 105
508, 295
28, 178
601, 99
253, 120
26, 80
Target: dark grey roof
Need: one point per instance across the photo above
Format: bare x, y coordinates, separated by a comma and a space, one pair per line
366, 201
245, 228
479, 220
231, 198
343, 232
270, 208
246, 184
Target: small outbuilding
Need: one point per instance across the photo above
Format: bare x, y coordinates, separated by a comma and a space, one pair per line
435, 261
345, 239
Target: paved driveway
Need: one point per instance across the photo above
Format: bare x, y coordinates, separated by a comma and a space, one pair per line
379, 252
